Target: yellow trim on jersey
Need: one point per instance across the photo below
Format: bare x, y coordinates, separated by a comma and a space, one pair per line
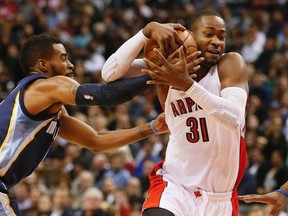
9, 210
10, 123
22, 145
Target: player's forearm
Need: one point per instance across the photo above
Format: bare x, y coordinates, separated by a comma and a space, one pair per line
119, 138
119, 63
111, 94
285, 187
76, 131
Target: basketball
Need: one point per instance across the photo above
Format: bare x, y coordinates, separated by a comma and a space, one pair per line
185, 35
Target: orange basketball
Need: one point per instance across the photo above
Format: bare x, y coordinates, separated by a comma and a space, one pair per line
185, 35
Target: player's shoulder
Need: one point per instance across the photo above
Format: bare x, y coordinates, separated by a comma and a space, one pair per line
232, 59
231, 56
54, 82
60, 80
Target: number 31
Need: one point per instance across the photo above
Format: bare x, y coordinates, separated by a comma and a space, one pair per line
197, 128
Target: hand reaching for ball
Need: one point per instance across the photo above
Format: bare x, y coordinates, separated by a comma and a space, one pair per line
187, 39
174, 71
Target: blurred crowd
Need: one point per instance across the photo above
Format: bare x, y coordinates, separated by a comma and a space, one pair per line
72, 181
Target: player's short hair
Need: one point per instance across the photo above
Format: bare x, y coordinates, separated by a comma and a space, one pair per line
36, 47
195, 18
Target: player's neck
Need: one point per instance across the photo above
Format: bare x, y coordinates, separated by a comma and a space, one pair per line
202, 72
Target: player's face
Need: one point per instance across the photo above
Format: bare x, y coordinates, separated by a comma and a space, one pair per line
210, 36
59, 64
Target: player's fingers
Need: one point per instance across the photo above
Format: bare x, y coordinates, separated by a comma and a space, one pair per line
151, 65
274, 211
169, 46
193, 76
198, 61
162, 59
193, 56
253, 198
182, 54
154, 82
171, 58
178, 26
153, 74
192, 69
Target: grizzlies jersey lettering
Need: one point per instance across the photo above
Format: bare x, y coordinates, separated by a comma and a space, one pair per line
201, 152
25, 139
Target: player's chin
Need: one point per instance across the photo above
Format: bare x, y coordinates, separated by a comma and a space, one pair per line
212, 58
209, 63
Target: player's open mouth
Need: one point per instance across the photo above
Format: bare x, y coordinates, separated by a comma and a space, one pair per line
71, 74
214, 53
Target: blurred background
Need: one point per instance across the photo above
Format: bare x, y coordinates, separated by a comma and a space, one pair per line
72, 181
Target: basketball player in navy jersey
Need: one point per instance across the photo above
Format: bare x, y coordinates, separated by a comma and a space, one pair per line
33, 114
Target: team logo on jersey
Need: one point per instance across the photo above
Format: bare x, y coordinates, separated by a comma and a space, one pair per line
88, 97
160, 172
197, 194
53, 129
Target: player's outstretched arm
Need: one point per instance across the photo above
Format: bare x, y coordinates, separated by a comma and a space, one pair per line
63, 90
123, 63
75, 131
273, 198
276, 198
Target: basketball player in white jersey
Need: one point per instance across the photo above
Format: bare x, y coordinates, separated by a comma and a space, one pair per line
205, 113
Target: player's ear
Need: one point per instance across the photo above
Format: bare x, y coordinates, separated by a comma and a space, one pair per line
42, 65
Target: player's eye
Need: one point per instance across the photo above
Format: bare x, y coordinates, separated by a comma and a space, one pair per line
222, 37
208, 34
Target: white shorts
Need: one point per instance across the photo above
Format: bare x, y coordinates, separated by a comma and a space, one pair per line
165, 193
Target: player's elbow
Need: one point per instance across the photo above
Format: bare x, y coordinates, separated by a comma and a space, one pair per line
232, 121
109, 70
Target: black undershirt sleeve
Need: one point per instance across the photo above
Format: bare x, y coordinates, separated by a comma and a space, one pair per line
113, 93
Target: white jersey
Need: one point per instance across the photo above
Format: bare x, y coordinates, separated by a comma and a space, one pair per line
201, 152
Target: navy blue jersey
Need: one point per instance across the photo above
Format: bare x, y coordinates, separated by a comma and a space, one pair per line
25, 139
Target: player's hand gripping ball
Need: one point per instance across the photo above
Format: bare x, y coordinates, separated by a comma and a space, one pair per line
185, 35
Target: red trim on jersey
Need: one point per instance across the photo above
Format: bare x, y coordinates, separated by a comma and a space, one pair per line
157, 186
241, 171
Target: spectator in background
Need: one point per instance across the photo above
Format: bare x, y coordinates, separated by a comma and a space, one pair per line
93, 204
81, 183
95, 60
144, 179
21, 193
272, 174
275, 139
117, 171
108, 189
146, 153
44, 205
255, 40
134, 194
122, 205
61, 202
99, 165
